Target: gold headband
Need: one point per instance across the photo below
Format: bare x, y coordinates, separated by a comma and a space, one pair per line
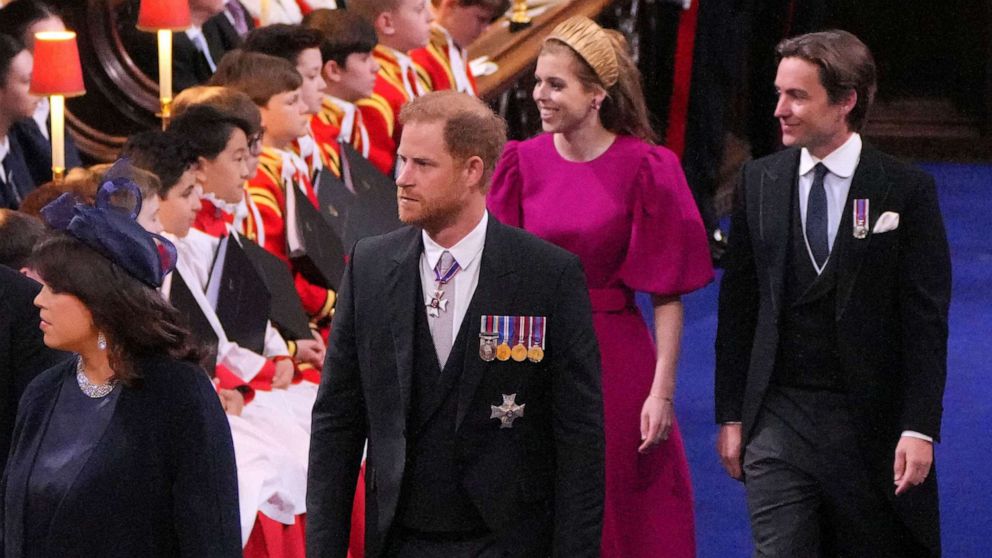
592, 44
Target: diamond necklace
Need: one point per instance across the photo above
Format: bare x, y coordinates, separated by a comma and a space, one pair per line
93, 391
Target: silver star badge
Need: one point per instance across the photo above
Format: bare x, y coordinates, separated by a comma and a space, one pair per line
437, 304
508, 412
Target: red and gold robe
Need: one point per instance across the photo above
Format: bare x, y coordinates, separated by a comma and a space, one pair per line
444, 65
266, 225
395, 85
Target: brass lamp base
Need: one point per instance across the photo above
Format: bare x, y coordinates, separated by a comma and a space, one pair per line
519, 20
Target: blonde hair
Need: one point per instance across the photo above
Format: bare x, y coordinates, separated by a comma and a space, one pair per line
602, 60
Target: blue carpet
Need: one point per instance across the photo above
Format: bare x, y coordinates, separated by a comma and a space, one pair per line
964, 456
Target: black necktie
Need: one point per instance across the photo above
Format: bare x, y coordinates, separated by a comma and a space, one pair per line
816, 217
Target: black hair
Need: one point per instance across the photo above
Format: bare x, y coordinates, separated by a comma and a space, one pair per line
282, 40
342, 33
17, 16
19, 233
166, 154
207, 129
117, 302
10, 47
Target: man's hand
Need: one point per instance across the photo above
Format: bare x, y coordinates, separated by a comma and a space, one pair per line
311, 351
232, 401
912, 465
284, 374
657, 416
728, 447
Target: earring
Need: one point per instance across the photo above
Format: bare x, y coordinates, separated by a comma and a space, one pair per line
595, 105
101, 342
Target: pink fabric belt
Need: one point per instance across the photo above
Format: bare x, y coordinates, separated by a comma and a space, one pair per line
611, 300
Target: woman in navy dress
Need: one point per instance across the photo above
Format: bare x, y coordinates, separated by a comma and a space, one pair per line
123, 450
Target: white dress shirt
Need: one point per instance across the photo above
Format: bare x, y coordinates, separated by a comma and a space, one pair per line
4, 150
468, 253
841, 164
195, 34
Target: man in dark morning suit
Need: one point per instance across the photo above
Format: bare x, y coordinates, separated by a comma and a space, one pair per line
23, 354
196, 52
474, 449
832, 339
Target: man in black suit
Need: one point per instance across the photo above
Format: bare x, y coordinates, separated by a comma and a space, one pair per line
832, 337
196, 52
16, 103
23, 354
474, 448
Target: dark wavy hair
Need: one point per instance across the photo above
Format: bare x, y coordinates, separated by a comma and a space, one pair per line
134, 318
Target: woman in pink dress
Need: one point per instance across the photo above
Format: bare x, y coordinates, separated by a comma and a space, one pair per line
596, 185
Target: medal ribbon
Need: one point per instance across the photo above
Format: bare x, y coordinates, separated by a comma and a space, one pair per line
537, 332
448, 274
861, 212
521, 334
511, 325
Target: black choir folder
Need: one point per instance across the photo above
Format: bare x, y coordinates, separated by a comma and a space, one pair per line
199, 326
286, 311
243, 301
367, 208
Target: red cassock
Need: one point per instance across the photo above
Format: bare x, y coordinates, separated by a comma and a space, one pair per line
434, 64
395, 85
278, 169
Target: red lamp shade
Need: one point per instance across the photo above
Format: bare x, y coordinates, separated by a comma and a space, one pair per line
159, 15
56, 65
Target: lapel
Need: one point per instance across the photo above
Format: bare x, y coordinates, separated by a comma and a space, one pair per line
401, 285
869, 182
18, 475
778, 182
496, 292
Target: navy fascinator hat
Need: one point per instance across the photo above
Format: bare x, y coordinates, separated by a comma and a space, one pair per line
114, 231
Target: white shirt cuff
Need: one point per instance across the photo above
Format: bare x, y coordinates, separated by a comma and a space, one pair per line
913, 434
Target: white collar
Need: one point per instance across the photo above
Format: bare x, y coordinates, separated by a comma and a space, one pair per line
402, 58
842, 161
465, 252
4, 147
346, 106
194, 32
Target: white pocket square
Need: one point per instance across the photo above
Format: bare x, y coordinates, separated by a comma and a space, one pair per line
888, 221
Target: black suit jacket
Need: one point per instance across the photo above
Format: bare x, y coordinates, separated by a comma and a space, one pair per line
189, 66
15, 165
37, 150
23, 354
162, 482
892, 297
550, 460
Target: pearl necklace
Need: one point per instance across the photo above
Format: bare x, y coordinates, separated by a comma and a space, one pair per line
93, 391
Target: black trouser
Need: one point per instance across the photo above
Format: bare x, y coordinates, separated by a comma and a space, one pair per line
808, 488
406, 543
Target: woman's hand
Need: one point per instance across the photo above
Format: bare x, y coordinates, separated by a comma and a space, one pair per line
657, 417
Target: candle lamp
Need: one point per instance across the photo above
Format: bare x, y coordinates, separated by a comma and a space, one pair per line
57, 74
163, 17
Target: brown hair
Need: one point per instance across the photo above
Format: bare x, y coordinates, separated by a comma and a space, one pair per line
496, 7
225, 99
342, 33
19, 233
369, 10
845, 65
471, 128
117, 302
260, 76
623, 110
